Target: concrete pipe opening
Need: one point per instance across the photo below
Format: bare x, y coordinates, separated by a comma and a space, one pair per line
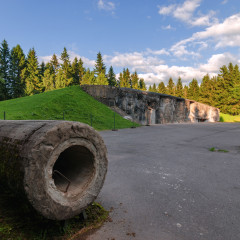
60, 165
73, 170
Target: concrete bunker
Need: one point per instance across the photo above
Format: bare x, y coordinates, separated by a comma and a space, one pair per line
59, 166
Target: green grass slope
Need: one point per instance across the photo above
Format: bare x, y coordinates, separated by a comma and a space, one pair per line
229, 118
71, 103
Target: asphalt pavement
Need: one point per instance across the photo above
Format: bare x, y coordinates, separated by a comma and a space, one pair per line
163, 183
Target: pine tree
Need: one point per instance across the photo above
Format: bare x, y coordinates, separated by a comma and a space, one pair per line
193, 90
206, 91
125, 80
81, 71
179, 88
2, 87
65, 74
111, 77
42, 69
142, 85
161, 88
88, 78
49, 78
4, 69
17, 64
101, 79
154, 88
185, 91
75, 71
54, 63
33, 81
150, 88
170, 87
99, 66
134, 80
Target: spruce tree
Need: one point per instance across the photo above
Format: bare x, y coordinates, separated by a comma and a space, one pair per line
193, 90
111, 77
185, 91
75, 71
154, 88
142, 85
134, 80
179, 88
2, 89
99, 66
17, 64
150, 88
4, 69
101, 79
126, 79
81, 71
48, 79
65, 75
33, 80
206, 91
161, 88
170, 87
88, 78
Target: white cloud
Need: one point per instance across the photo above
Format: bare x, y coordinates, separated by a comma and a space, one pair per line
86, 62
184, 12
162, 51
224, 1
217, 61
225, 34
168, 27
106, 5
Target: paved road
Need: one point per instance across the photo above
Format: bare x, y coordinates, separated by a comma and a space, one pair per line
163, 183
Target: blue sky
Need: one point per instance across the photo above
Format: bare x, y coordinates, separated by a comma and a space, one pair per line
158, 38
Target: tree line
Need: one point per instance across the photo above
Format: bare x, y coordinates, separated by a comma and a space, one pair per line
22, 75
222, 91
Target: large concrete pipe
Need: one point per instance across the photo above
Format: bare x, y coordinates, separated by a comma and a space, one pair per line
59, 166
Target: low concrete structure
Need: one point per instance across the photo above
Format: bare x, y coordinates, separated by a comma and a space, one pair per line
59, 166
152, 108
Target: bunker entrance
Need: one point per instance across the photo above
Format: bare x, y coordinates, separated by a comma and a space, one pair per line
73, 170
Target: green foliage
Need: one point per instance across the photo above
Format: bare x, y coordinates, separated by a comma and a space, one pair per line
193, 90
75, 103
170, 87
111, 77
185, 91
17, 64
88, 78
32, 80
125, 79
213, 149
101, 79
179, 88
142, 85
154, 88
99, 66
134, 80
161, 88
4, 69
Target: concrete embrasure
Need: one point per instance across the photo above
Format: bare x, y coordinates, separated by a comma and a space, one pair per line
60, 166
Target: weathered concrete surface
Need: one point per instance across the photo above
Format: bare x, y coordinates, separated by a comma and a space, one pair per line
35, 154
152, 108
163, 183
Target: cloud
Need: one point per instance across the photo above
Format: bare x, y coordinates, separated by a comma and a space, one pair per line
224, 1
106, 5
168, 27
225, 34
184, 12
86, 62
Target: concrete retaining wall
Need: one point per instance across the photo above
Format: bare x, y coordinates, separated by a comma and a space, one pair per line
152, 108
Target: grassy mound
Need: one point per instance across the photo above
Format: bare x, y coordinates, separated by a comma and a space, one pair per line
71, 104
229, 118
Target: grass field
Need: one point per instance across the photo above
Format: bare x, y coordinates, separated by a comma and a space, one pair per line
70, 104
229, 118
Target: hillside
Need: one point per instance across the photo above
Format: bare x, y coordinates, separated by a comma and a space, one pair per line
70, 103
